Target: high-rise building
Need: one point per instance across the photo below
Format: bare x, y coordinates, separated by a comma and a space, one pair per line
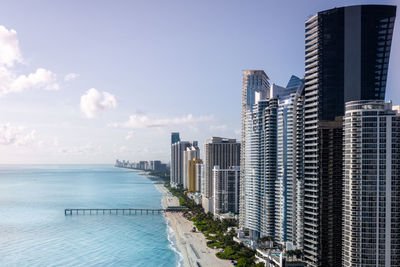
157, 165
193, 175
177, 162
226, 189
289, 182
272, 182
143, 165
299, 150
346, 58
260, 170
201, 181
371, 210
223, 152
173, 172
191, 152
255, 87
175, 138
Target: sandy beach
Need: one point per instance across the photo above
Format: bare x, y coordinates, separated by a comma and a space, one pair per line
191, 245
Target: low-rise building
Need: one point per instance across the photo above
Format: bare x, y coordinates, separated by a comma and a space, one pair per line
273, 257
207, 203
195, 196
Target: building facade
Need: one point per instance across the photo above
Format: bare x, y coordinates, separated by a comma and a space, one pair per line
255, 87
260, 170
289, 182
346, 58
177, 162
175, 138
190, 153
371, 225
223, 152
201, 181
226, 189
194, 182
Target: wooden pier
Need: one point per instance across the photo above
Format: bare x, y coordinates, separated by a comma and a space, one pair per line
122, 211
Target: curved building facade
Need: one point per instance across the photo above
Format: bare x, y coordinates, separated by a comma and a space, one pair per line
371, 197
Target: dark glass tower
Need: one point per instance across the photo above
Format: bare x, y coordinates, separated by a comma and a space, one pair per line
175, 138
346, 58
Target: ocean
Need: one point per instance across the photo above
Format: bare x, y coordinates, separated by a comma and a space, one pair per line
35, 232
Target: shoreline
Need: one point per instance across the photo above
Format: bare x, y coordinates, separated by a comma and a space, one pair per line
191, 246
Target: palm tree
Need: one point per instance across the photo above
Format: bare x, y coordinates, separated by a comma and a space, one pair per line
289, 254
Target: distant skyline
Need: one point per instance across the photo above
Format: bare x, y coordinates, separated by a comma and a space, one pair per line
92, 81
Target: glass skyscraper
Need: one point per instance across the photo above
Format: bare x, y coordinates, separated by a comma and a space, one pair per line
260, 169
255, 87
175, 138
289, 180
347, 53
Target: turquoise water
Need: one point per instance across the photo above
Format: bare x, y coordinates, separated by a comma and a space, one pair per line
35, 232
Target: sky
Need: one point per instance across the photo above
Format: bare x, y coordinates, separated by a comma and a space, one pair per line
93, 81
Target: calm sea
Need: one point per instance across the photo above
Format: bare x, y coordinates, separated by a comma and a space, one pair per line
35, 232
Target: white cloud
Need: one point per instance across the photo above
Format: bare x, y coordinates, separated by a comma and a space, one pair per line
138, 121
238, 132
40, 79
10, 81
16, 135
71, 77
94, 102
9, 47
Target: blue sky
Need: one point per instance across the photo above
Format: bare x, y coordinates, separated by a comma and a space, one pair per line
155, 66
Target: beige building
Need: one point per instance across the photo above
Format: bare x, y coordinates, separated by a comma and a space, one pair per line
190, 153
193, 179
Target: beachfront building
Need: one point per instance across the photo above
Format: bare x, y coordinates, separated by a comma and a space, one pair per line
201, 184
191, 152
274, 257
226, 190
371, 223
272, 186
177, 162
144, 165
346, 59
255, 87
260, 170
157, 165
175, 138
289, 177
223, 152
194, 182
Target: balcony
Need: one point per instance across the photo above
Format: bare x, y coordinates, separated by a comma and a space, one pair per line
311, 48
312, 65
314, 58
311, 88
311, 71
311, 22
313, 81
311, 53
312, 29
311, 42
